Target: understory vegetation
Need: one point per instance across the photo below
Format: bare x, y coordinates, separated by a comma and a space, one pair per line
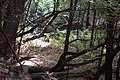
59, 40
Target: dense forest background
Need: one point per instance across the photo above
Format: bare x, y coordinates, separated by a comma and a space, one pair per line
82, 36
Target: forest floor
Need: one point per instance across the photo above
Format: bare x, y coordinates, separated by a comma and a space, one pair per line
40, 53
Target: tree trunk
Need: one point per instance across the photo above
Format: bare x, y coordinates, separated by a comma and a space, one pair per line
118, 69
11, 21
109, 50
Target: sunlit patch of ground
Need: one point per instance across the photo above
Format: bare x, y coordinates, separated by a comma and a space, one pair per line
38, 61
39, 50
40, 43
35, 43
45, 55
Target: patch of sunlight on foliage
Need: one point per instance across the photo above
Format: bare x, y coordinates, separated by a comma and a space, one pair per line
90, 55
73, 35
32, 48
46, 5
55, 43
57, 39
78, 45
86, 34
64, 4
100, 34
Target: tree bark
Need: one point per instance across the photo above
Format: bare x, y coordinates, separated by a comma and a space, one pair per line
109, 49
11, 21
118, 69
102, 69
